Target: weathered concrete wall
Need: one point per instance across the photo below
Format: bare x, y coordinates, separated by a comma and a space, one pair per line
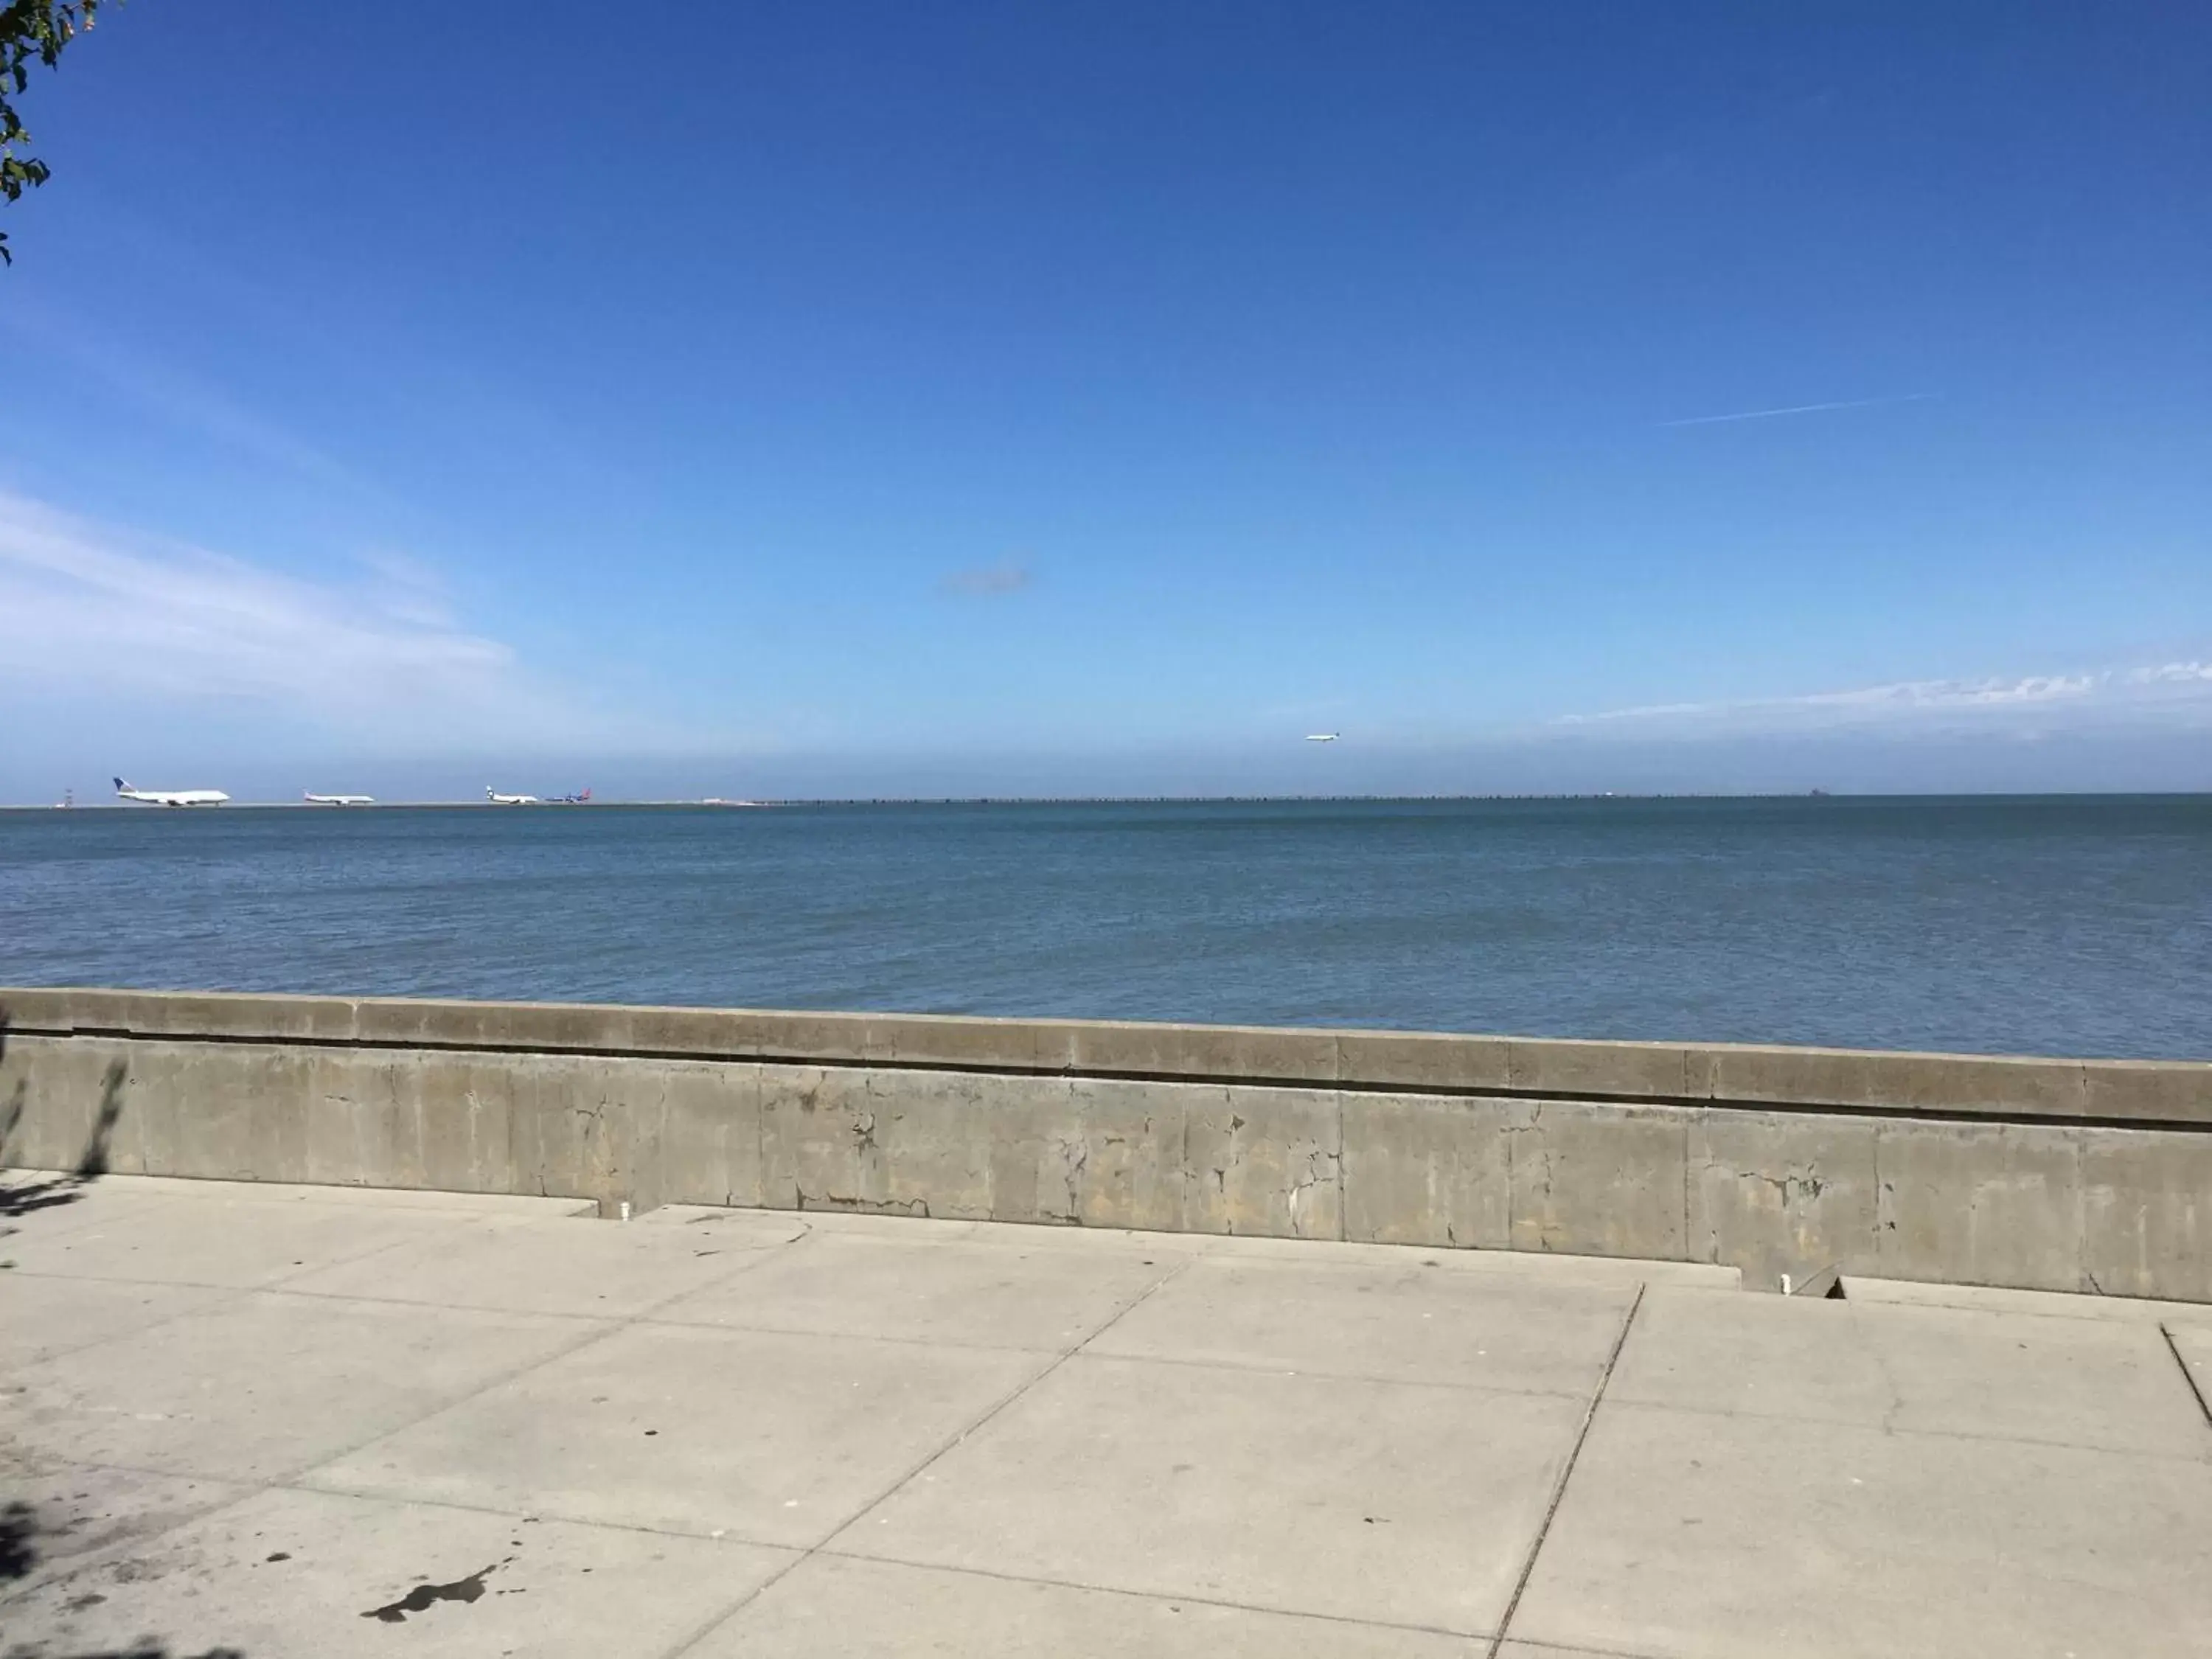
2039, 1173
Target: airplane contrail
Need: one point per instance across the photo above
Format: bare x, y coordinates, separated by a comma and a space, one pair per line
1800, 409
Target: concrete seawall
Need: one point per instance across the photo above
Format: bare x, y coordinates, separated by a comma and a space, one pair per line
2039, 1174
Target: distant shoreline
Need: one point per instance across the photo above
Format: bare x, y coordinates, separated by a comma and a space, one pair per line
1099, 800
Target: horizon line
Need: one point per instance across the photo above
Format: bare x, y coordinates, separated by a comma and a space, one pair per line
771, 803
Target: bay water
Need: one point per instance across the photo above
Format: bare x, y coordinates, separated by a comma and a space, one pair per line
2062, 924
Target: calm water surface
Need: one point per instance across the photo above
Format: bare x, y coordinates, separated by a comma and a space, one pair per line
2067, 925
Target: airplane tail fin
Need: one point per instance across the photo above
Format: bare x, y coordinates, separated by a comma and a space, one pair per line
586, 795
121, 788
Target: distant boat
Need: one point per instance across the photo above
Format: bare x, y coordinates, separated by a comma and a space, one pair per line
1322, 736
313, 799
171, 797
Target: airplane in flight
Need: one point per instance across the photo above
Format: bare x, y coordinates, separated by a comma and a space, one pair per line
171, 797
1322, 736
313, 799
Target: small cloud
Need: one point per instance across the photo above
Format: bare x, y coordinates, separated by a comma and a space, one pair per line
2173, 673
1007, 576
2160, 690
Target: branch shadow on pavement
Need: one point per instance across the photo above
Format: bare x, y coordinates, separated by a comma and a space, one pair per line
46, 1192
21, 1527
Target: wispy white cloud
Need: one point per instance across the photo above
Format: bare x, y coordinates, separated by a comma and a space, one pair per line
409, 590
2162, 690
1007, 576
154, 384
1800, 409
87, 609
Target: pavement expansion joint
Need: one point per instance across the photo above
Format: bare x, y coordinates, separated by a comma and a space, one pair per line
1566, 1474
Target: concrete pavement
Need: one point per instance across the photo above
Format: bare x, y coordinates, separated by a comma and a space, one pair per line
333, 1421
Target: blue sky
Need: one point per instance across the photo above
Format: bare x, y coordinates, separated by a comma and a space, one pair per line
950, 399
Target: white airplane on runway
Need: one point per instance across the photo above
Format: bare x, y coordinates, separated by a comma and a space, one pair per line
498, 799
171, 797
313, 799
